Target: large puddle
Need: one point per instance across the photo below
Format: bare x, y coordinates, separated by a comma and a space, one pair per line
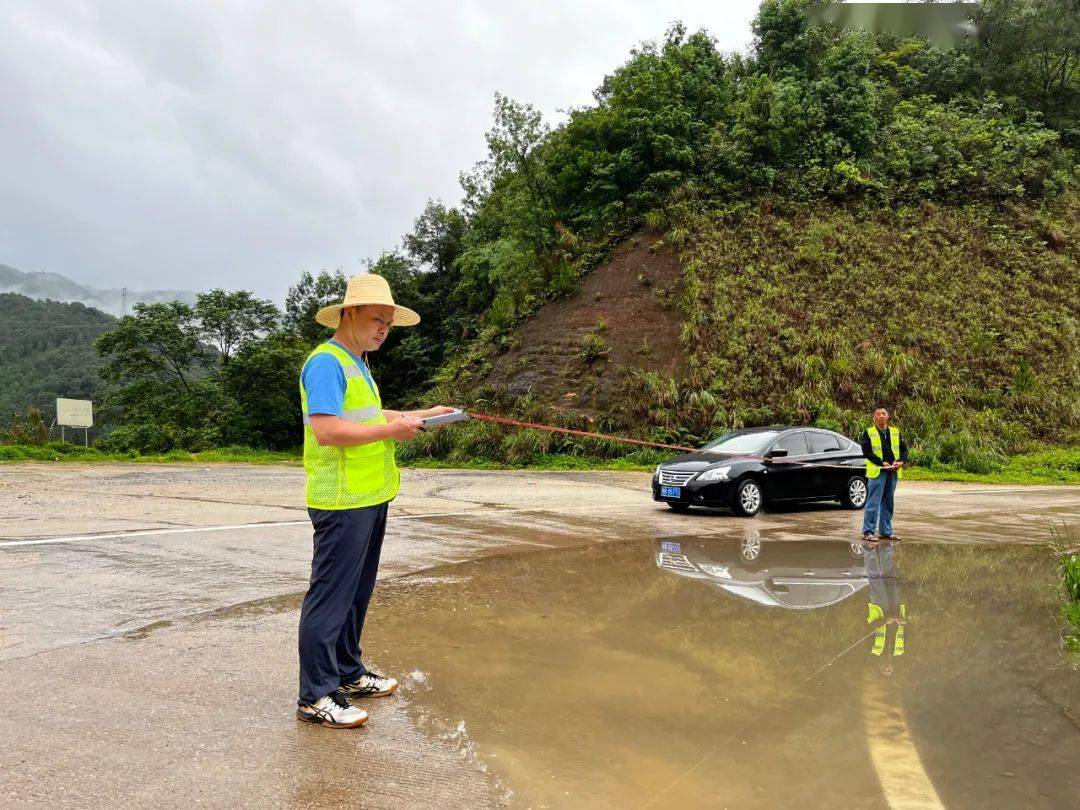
744, 673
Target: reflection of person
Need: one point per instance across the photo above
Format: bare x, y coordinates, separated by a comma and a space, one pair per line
886, 456
351, 478
887, 614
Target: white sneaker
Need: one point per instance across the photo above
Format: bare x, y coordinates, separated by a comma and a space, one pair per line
370, 684
334, 711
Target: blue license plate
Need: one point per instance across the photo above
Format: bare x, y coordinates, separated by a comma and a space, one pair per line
671, 548
670, 492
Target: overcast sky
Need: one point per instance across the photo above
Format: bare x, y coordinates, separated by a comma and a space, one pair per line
212, 143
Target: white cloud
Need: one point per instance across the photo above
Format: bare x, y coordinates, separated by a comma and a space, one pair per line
238, 143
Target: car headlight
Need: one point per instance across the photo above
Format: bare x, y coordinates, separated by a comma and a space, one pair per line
715, 474
720, 571
656, 472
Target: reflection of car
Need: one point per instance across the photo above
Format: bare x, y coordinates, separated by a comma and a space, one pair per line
747, 468
791, 575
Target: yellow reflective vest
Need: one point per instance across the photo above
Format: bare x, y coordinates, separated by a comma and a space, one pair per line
349, 477
872, 469
882, 629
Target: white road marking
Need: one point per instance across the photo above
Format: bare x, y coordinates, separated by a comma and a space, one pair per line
896, 759
1002, 490
87, 538
76, 538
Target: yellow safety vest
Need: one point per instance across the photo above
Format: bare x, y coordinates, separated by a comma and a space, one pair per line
872, 469
880, 632
349, 477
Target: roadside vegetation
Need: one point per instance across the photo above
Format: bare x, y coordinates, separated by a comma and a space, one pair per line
1066, 546
1070, 610
858, 219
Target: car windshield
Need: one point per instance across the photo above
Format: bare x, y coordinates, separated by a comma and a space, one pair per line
742, 442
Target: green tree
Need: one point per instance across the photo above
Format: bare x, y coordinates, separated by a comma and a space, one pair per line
848, 96
515, 167
230, 320
157, 342
155, 363
783, 37
1031, 49
645, 136
436, 238
170, 392
263, 380
306, 298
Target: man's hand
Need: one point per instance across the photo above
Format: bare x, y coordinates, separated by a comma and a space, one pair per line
439, 410
403, 427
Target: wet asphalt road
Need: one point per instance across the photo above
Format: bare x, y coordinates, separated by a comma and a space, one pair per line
148, 614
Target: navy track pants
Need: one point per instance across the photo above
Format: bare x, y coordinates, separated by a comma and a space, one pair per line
347, 543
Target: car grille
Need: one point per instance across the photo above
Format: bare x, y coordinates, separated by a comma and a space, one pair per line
677, 561
675, 478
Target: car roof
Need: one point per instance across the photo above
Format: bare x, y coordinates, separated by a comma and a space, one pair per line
763, 429
776, 429
780, 429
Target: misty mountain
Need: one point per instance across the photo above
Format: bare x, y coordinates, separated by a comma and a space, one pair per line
55, 287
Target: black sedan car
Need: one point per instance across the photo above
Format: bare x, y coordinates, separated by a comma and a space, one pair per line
746, 469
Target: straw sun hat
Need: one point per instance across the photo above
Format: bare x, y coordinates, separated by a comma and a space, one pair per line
367, 289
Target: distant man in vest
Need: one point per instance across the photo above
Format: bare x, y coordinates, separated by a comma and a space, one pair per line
886, 456
351, 479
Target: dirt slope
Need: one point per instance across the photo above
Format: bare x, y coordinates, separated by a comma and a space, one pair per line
577, 352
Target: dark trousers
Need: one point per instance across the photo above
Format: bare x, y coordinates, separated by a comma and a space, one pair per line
347, 544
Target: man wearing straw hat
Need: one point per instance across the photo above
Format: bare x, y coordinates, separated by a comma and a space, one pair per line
351, 479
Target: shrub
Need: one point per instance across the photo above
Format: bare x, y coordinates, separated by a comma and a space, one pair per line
594, 348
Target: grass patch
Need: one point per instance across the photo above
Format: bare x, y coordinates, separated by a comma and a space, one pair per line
786, 318
1067, 549
1049, 466
62, 452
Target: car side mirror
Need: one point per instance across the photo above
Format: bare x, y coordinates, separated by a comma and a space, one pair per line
778, 453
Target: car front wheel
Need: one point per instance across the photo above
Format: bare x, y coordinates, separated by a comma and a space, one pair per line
748, 498
854, 496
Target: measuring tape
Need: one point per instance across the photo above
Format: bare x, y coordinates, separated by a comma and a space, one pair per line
502, 420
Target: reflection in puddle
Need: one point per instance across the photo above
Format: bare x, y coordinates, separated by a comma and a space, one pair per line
747, 672
796, 576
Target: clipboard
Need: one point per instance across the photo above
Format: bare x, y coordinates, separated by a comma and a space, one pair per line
444, 419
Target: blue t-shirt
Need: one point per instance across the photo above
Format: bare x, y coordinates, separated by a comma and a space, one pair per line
324, 382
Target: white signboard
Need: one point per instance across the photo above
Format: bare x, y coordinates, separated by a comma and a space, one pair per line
75, 413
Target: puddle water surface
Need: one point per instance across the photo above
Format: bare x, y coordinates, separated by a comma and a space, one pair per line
747, 673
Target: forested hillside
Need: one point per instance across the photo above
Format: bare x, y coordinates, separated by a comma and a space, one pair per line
47, 351
832, 220
856, 219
